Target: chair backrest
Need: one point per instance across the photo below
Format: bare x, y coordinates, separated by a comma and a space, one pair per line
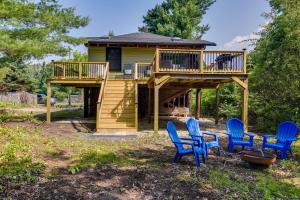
235, 128
193, 126
287, 130
171, 128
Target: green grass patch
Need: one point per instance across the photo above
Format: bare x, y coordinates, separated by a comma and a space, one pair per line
94, 158
273, 188
231, 184
7, 116
16, 158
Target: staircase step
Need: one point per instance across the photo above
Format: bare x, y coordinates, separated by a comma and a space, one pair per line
117, 112
118, 95
119, 103
127, 89
116, 125
117, 115
117, 120
116, 101
118, 92
120, 84
123, 131
118, 107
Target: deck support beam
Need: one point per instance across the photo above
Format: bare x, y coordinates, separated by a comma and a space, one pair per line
149, 105
198, 103
158, 83
245, 105
86, 102
217, 104
136, 104
49, 102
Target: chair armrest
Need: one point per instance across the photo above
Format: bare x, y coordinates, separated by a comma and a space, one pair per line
196, 141
190, 139
185, 143
208, 133
291, 140
193, 135
211, 134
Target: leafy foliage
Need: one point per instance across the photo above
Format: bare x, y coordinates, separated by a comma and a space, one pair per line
274, 82
230, 101
33, 29
178, 18
21, 77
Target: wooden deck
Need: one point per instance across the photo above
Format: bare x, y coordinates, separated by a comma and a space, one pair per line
171, 68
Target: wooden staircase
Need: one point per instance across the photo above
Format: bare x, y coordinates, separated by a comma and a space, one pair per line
117, 112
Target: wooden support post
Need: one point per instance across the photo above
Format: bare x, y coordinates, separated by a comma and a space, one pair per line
157, 60
158, 83
136, 106
48, 102
245, 61
190, 102
80, 70
245, 105
86, 102
156, 108
201, 63
217, 104
64, 71
198, 103
149, 104
135, 71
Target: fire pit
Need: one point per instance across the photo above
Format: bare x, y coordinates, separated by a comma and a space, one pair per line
258, 157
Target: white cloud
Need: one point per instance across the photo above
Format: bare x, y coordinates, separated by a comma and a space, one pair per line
243, 41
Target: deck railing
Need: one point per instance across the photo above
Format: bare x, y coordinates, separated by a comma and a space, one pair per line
142, 70
200, 61
78, 70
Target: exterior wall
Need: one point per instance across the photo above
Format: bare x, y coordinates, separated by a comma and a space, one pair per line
131, 55
97, 54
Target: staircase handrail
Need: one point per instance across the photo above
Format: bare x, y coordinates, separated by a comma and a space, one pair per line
102, 89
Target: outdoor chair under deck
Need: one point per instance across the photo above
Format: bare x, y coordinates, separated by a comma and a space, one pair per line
193, 128
195, 147
286, 134
235, 132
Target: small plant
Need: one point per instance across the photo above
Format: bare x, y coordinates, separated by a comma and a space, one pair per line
93, 158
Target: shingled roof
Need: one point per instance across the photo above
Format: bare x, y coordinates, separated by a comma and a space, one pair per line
147, 39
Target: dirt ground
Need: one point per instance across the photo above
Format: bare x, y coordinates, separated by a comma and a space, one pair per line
155, 177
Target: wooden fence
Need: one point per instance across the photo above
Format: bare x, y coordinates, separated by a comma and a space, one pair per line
18, 97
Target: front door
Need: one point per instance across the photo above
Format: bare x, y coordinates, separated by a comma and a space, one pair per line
113, 56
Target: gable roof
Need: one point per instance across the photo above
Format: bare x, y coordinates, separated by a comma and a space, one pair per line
148, 39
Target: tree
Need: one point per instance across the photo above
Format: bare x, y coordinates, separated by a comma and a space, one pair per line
21, 78
31, 29
178, 18
274, 82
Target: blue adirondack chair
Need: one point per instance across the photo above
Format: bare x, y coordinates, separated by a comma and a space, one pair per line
193, 128
235, 132
195, 148
286, 134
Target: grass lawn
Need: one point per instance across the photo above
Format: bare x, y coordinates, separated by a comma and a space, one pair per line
39, 161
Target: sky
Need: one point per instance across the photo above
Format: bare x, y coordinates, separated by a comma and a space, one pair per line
230, 21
